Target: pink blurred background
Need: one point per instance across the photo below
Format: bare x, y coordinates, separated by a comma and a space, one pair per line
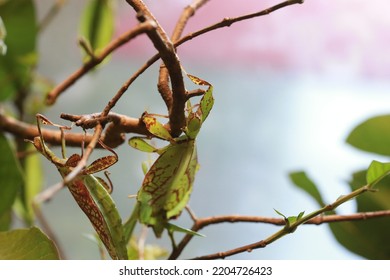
349, 37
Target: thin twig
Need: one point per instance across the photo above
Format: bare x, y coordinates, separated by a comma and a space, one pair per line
227, 22
291, 227
24, 130
187, 13
54, 10
224, 23
200, 223
127, 84
97, 59
118, 125
163, 80
167, 52
318, 220
281, 222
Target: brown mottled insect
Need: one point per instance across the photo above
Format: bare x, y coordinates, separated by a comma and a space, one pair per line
91, 193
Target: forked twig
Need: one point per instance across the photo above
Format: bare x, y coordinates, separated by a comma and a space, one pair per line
171, 69
226, 22
97, 59
288, 227
200, 223
163, 80
196, 4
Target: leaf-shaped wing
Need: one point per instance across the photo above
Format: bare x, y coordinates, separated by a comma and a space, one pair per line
166, 185
184, 188
98, 206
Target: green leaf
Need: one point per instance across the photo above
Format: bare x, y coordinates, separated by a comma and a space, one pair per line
302, 181
376, 171
97, 23
20, 21
291, 219
10, 174
16, 66
33, 185
167, 185
3, 33
173, 228
5, 220
300, 215
373, 135
280, 214
368, 238
26, 244
371, 201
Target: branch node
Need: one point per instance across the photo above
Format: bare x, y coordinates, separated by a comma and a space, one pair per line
86, 46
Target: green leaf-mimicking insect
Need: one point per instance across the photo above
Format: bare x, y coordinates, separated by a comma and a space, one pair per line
167, 185
91, 193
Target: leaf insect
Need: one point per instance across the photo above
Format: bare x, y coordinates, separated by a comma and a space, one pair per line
168, 183
91, 193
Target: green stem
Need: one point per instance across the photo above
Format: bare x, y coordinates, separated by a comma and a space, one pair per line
333, 206
289, 228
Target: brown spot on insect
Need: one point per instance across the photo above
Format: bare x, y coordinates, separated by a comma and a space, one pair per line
198, 80
149, 122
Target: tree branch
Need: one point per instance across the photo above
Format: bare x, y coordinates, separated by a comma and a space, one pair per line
53, 95
227, 22
163, 80
53, 11
117, 125
312, 218
171, 61
23, 130
118, 42
318, 220
224, 23
281, 222
113, 136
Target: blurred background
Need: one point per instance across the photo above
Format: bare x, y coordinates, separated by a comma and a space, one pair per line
288, 87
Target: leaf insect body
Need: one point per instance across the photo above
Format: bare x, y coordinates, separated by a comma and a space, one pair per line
168, 183
91, 193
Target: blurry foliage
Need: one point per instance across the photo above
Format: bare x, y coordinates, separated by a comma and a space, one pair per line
21, 177
366, 238
17, 64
